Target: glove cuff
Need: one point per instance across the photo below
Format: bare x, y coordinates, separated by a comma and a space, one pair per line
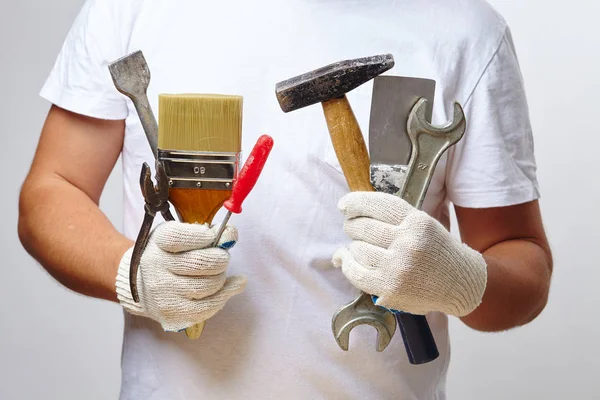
123, 288
474, 279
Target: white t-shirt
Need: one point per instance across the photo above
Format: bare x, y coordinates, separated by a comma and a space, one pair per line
274, 341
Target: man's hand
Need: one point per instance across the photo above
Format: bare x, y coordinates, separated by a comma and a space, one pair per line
61, 225
408, 259
182, 277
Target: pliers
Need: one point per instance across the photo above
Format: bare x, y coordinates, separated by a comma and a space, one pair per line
157, 200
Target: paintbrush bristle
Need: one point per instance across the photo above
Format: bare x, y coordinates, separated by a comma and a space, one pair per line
200, 122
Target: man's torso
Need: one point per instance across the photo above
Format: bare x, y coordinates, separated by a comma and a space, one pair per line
275, 339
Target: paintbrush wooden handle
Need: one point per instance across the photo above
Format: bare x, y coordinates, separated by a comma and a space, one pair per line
197, 206
349, 144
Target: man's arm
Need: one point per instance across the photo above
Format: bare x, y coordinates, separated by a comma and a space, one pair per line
514, 245
60, 223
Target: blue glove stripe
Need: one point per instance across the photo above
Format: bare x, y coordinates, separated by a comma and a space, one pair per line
228, 245
389, 309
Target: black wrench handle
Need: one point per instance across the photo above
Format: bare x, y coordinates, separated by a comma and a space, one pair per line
418, 339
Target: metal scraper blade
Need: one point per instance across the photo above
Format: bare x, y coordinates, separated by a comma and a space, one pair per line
389, 144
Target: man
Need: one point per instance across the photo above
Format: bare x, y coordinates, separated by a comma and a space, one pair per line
273, 339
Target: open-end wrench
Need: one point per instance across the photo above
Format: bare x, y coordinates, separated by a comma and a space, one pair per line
428, 144
362, 311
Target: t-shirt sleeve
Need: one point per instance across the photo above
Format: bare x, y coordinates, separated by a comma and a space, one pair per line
80, 80
494, 164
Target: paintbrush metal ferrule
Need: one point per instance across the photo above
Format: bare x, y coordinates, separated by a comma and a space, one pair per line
200, 169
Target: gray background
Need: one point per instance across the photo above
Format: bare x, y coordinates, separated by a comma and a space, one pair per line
57, 345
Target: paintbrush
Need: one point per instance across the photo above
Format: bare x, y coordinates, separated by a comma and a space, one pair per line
199, 142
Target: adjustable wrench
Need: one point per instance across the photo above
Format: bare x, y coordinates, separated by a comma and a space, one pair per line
428, 144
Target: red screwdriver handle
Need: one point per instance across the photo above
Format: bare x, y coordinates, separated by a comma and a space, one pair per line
249, 174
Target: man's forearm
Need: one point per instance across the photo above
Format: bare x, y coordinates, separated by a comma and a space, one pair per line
62, 228
519, 274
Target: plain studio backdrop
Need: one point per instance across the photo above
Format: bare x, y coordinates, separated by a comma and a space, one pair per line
58, 345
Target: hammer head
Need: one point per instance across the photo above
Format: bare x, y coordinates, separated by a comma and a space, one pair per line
330, 82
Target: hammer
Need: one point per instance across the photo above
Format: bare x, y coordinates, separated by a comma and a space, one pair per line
329, 85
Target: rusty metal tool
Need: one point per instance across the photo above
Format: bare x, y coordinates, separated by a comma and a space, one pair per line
329, 85
157, 200
390, 148
131, 77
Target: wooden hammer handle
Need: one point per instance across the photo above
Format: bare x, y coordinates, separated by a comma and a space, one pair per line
348, 143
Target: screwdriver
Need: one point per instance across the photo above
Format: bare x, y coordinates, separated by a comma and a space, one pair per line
246, 179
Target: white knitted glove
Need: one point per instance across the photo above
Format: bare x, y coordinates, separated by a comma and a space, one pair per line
407, 258
181, 278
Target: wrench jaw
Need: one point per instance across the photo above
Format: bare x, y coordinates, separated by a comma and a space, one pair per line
362, 311
452, 131
429, 143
